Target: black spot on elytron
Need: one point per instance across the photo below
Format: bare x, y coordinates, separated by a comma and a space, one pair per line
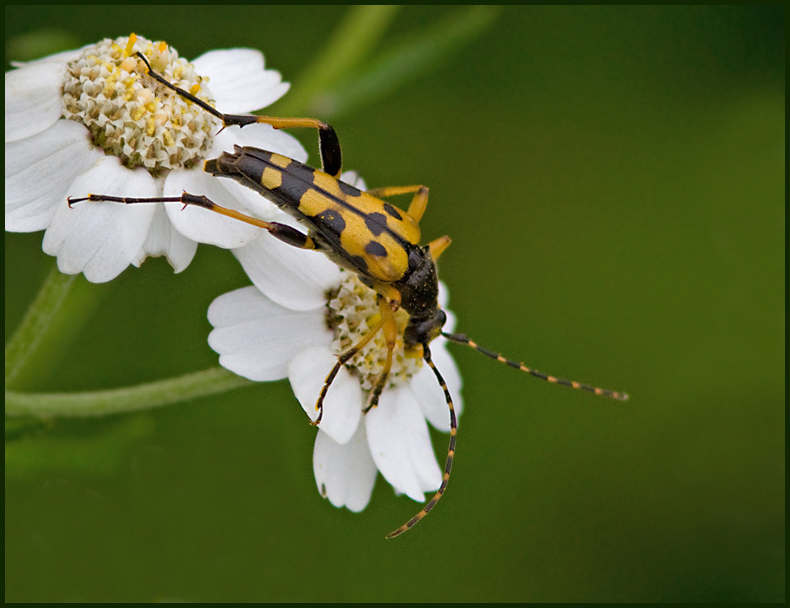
331, 220
297, 179
359, 262
249, 163
323, 490
392, 211
300, 171
291, 188
377, 249
376, 223
348, 189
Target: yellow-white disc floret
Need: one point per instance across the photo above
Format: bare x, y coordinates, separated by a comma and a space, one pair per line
131, 115
352, 312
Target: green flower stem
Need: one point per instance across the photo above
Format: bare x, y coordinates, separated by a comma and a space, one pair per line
56, 317
350, 44
405, 60
122, 400
34, 325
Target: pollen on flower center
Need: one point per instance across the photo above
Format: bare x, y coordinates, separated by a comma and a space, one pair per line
351, 311
131, 115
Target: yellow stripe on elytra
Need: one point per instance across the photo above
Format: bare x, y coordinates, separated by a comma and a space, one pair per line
280, 160
329, 184
271, 178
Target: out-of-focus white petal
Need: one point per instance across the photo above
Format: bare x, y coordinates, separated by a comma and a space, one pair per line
33, 99
449, 325
345, 474
401, 445
444, 296
101, 239
256, 338
201, 224
352, 178
164, 239
40, 171
343, 403
238, 80
295, 278
427, 392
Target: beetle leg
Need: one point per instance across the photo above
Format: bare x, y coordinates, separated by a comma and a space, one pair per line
345, 358
390, 333
418, 203
436, 247
328, 142
283, 232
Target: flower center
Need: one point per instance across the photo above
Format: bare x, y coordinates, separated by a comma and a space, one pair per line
131, 115
352, 312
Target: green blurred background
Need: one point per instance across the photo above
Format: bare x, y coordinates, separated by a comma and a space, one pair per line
613, 180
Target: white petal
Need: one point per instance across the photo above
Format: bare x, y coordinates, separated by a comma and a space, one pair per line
401, 445
259, 136
102, 239
345, 474
64, 57
164, 239
295, 278
274, 140
33, 99
256, 338
426, 390
39, 172
238, 81
343, 403
200, 224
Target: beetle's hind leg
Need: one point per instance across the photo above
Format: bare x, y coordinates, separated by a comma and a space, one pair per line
328, 142
283, 232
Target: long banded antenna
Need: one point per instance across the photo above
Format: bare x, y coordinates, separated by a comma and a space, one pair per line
462, 339
450, 451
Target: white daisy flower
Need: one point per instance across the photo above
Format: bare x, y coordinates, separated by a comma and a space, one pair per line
92, 121
293, 324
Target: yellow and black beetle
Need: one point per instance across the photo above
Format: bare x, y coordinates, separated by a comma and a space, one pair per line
359, 232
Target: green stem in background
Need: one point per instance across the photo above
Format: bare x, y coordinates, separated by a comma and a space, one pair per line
348, 76
348, 46
406, 60
34, 325
123, 400
56, 317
